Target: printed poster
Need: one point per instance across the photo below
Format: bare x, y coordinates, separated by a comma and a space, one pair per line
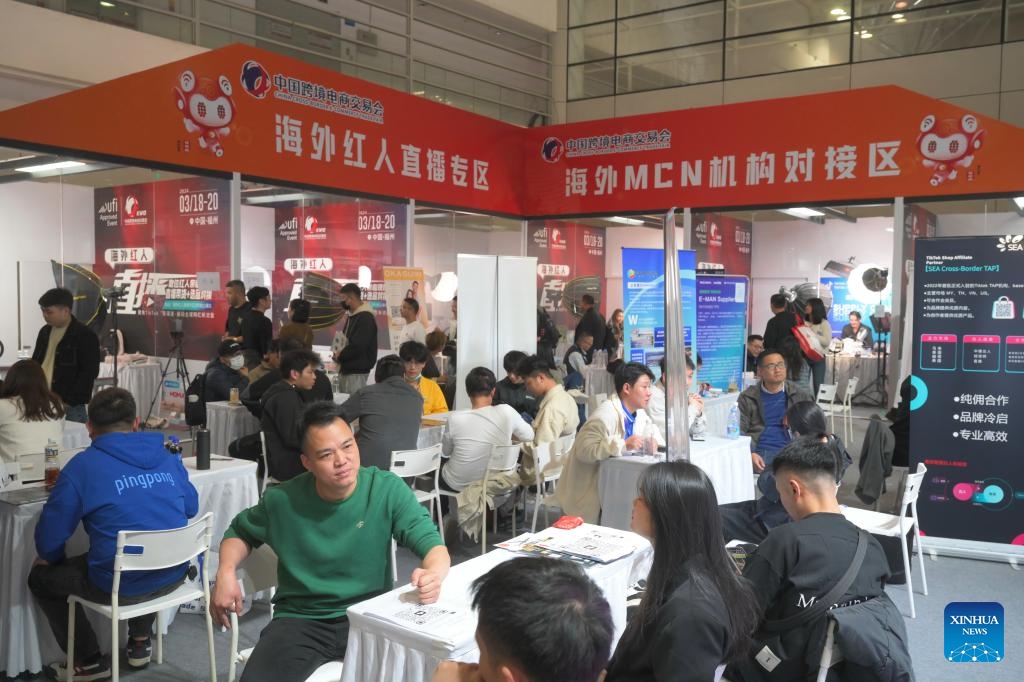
643, 293
399, 284
722, 328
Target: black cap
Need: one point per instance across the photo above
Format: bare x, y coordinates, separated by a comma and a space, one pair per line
228, 348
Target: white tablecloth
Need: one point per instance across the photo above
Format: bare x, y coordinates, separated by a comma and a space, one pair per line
716, 410
598, 380
142, 381
725, 461
841, 368
26, 642
75, 436
227, 423
382, 650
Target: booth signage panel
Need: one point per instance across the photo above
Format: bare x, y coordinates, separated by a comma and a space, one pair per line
643, 296
722, 328
723, 242
570, 262
844, 303
968, 366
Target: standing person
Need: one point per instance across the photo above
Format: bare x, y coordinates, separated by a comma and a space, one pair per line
613, 333
798, 367
413, 329
856, 330
257, 329
697, 613
389, 412
618, 424
282, 407
591, 322
755, 344
298, 323
331, 528
359, 355
238, 310
782, 322
817, 320
68, 351
547, 336
30, 414
96, 489
557, 414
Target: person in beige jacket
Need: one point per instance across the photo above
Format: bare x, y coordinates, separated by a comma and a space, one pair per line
557, 414
618, 425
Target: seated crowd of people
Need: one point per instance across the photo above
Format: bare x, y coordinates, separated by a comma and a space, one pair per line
698, 618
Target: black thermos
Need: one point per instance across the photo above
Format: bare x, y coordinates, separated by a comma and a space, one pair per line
202, 449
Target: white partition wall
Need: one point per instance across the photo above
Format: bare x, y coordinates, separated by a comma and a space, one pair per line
497, 313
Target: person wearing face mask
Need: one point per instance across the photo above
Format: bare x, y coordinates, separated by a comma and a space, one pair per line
226, 371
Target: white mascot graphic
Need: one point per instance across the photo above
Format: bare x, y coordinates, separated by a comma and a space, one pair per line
948, 145
207, 108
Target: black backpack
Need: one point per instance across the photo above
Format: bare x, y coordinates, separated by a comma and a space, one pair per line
195, 403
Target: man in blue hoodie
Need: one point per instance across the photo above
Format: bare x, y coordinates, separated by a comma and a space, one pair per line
123, 481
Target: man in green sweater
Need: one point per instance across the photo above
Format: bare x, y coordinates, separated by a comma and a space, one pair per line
331, 528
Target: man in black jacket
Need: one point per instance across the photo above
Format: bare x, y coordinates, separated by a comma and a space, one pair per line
257, 329
69, 353
359, 355
512, 389
782, 323
224, 372
282, 410
590, 322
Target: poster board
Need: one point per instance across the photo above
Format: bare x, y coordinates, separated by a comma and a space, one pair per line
643, 297
722, 328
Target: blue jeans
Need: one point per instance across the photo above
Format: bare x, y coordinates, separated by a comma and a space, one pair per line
76, 413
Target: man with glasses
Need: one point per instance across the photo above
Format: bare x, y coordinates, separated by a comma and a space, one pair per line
762, 410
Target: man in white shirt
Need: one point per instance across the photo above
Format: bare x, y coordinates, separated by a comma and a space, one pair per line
413, 329
698, 424
470, 435
617, 425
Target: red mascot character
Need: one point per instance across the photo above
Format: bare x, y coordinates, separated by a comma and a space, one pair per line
948, 144
207, 108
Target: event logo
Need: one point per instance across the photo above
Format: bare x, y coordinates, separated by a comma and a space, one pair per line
540, 237
552, 150
973, 632
255, 79
311, 223
107, 213
948, 145
131, 206
631, 273
134, 214
557, 238
1011, 242
207, 108
312, 229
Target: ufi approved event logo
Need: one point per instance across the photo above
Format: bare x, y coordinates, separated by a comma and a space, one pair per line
974, 632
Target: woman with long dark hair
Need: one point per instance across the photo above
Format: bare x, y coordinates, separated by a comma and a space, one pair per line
817, 319
30, 413
697, 613
806, 418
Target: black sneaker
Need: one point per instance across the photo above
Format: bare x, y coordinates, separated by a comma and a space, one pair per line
139, 652
97, 670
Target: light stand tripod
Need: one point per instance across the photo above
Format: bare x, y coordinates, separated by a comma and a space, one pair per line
877, 390
176, 353
114, 296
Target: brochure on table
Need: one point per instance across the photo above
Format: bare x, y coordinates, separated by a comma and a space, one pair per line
968, 366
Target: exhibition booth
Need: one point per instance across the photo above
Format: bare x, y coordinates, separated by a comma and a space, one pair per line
242, 163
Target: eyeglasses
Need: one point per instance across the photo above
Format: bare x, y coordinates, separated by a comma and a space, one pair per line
774, 365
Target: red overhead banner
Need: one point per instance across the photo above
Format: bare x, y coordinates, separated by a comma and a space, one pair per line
265, 115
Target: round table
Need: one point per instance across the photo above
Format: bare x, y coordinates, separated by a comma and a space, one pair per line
141, 379
841, 368
227, 423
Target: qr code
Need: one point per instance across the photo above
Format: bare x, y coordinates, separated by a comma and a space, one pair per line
424, 615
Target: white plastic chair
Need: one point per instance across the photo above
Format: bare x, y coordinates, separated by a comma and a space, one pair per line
830, 653
259, 574
151, 550
897, 526
547, 463
504, 460
410, 464
826, 400
265, 458
845, 408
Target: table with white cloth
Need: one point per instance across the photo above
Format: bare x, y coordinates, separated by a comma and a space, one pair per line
726, 462
597, 380
142, 380
839, 369
26, 642
716, 411
380, 649
227, 423
75, 436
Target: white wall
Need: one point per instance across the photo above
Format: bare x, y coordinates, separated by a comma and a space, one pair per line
39, 222
971, 224
631, 237
788, 252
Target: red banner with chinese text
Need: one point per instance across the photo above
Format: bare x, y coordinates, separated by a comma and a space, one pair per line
722, 242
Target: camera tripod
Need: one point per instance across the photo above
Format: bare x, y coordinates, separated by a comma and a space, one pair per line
877, 392
175, 354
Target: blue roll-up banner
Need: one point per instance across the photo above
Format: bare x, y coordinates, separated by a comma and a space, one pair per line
968, 383
722, 328
643, 296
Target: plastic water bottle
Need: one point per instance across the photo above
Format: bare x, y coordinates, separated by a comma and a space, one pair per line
732, 427
52, 464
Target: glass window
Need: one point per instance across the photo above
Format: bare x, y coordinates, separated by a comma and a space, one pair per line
788, 50
746, 17
949, 27
1015, 20
628, 8
591, 42
670, 68
867, 8
595, 79
688, 26
590, 11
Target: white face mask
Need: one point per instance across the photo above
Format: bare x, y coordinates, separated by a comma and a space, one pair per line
237, 362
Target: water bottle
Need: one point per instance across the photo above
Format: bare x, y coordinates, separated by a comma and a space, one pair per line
732, 427
52, 465
202, 449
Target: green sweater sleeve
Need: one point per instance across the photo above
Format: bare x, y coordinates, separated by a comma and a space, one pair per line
251, 525
411, 524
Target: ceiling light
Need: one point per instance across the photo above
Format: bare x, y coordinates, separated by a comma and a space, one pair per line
844, 17
418, 92
802, 212
43, 167
447, 287
274, 198
890, 229
364, 277
104, 3
1020, 203
865, 35
624, 221
897, 16
837, 11
900, 21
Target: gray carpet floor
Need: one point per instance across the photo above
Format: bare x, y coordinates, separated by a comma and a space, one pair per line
949, 579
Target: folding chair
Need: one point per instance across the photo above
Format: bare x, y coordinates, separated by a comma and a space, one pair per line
547, 471
504, 460
897, 526
827, 402
265, 458
151, 550
259, 574
845, 409
410, 464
